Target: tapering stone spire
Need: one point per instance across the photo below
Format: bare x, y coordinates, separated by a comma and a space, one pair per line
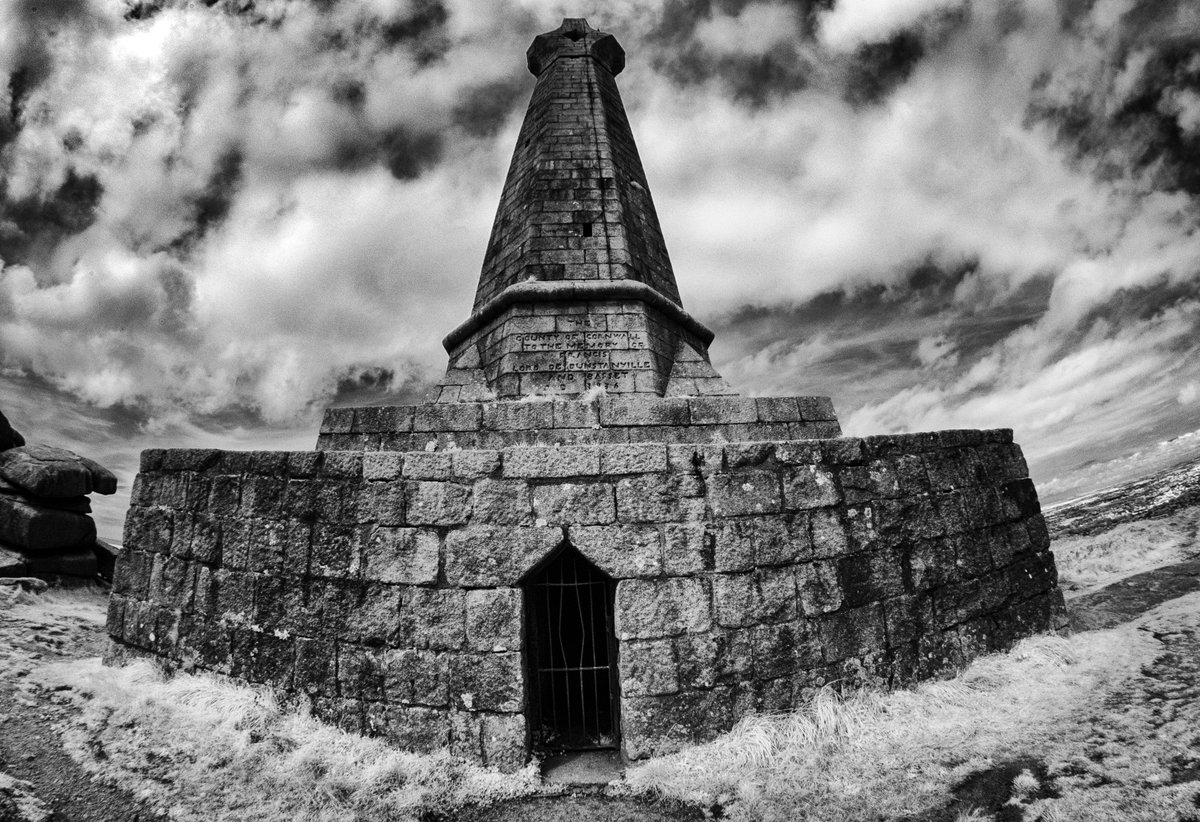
577, 290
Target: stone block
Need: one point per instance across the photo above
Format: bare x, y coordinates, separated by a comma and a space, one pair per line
262, 496
360, 673
471, 465
235, 596
733, 544
722, 410
437, 503
382, 466
432, 465
781, 540
697, 459
341, 465
635, 458
776, 650
337, 421
648, 668
417, 677
552, 462
433, 618
744, 492
621, 551
777, 409
816, 408
852, 633
447, 417
649, 498
336, 550
775, 597
1020, 500
818, 587
168, 575
38, 529
734, 600
574, 503
487, 682
575, 414
423, 730
402, 555
379, 502
655, 725
146, 529
490, 556
828, 532
494, 619
517, 416
650, 609
687, 548
809, 486
749, 455
870, 576
501, 502
637, 411
502, 737
696, 656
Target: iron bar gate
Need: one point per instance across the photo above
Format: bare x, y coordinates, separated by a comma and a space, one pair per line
571, 655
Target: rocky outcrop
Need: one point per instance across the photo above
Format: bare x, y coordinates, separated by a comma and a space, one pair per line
9, 438
44, 507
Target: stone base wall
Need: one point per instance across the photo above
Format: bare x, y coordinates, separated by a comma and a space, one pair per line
384, 587
606, 420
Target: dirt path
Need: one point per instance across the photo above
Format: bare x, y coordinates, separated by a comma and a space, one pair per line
30, 747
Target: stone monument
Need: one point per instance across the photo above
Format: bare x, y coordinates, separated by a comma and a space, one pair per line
586, 539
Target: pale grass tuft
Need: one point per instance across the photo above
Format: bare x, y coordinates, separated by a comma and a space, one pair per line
871, 754
200, 747
974, 815
1024, 784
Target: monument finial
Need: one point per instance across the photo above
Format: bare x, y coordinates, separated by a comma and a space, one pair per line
575, 38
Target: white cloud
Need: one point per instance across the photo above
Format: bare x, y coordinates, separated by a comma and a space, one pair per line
755, 29
851, 23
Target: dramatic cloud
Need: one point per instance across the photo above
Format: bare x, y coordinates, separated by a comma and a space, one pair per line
217, 219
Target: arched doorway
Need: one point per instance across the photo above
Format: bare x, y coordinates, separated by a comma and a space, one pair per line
571, 655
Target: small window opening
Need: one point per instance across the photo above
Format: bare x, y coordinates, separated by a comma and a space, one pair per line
570, 654
586, 229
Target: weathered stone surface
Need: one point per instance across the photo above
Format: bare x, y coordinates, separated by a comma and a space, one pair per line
46, 471
33, 529
648, 609
407, 555
571, 503
752, 553
9, 438
621, 551
494, 619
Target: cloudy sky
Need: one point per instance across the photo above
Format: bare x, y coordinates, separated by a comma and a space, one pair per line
217, 218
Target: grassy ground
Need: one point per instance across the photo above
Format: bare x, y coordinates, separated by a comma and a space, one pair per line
1088, 562
1102, 725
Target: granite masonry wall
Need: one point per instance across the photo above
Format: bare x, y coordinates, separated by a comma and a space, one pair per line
606, 420
384, 587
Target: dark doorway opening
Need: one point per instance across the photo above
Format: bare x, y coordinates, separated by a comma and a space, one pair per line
571, 653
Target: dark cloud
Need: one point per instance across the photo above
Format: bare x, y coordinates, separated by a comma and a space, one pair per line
878, 68
31, 227
423, 31
407, 153
482, 110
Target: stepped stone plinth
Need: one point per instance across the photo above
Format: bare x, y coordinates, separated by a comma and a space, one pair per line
585, 540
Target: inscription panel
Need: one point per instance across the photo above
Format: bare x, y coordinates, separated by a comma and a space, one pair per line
571, 362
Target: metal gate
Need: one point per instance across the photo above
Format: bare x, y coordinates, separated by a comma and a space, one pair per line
571, 651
